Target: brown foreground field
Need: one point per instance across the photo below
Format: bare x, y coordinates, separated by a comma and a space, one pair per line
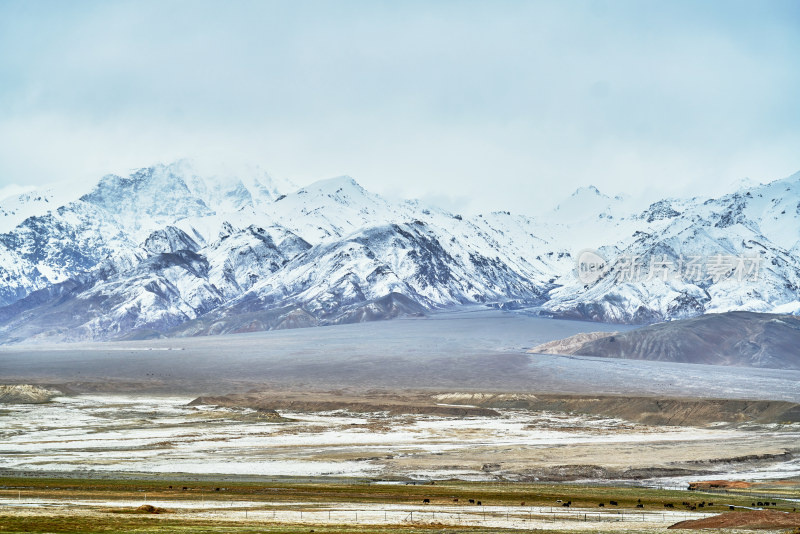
42, 505
754, 519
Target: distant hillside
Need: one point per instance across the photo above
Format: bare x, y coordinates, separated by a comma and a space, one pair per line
26, 394
742, 339
169, 251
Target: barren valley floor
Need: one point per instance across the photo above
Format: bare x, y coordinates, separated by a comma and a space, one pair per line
351, 428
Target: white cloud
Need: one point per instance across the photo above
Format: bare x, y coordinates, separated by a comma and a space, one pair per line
12, 190
493, 106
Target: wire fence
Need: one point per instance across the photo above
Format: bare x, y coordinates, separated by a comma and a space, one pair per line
491, 516
496, 516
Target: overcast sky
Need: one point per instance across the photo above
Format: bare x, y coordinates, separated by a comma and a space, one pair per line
473, 105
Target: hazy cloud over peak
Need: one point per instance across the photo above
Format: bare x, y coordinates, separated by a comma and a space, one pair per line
504, 104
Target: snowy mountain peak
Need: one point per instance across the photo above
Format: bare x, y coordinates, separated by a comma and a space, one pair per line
16, 208
169, 239
332, 208
589, 203
660, 210
169, 247
162, 194
149, 198
339, 185
226, 189
588, 190
744, 184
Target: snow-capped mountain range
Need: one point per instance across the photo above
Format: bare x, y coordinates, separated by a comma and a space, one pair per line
170, 251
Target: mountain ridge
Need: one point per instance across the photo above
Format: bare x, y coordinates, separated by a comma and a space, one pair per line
738, 338
167, 247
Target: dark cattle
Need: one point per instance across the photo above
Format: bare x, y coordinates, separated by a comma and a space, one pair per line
601, 505
185, 488
472, 501
426, 501
701, 505
170, 487
522, 503
613, 503
760, 503
216, 489
668, 505
773, 504
479, 503
640, 506
455, 499
730, 507
567, 504
711, 504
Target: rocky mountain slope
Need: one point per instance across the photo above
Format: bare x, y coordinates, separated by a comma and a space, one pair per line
26, 394
737, 252
743, 339
170, 251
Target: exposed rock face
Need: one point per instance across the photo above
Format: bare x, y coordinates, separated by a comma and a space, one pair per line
26, 394
733, 338
167, 251
571, 344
